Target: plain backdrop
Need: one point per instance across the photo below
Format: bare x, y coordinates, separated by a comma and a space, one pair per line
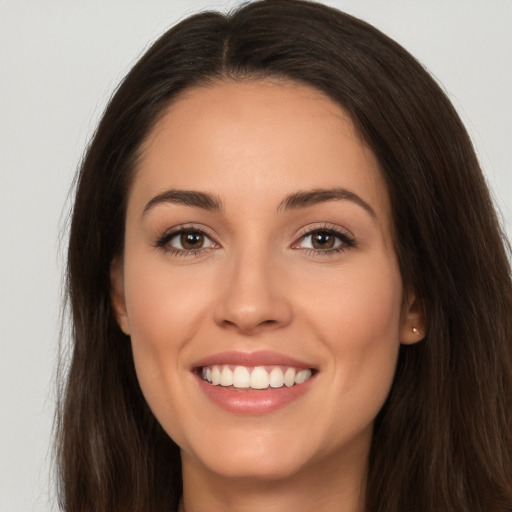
59, 63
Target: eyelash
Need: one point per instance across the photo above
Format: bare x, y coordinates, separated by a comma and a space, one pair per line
346, 241
163, 241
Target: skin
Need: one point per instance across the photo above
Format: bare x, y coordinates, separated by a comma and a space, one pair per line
259, 285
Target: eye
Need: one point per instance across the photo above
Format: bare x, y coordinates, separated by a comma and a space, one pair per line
324, 240
190, 241
185, 241
321, 240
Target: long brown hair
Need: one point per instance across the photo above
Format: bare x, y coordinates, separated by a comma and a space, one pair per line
443, 440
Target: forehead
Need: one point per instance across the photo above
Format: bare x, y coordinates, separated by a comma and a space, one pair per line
256, 139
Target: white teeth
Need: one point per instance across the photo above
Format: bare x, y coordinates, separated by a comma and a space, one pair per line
215, 375
276, 378
289, 377
226, 377
259, 378
241, 377
302, 376
254, 378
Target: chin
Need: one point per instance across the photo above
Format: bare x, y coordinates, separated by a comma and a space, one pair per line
246, 455
262, 467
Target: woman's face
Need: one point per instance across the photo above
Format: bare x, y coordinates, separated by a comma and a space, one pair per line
259, 282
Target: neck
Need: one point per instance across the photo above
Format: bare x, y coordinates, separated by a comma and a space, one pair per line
326, 486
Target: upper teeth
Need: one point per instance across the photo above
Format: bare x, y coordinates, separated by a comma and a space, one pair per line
257, 377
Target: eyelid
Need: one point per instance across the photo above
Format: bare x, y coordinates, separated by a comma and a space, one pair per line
324, 226
164, 238
345, 235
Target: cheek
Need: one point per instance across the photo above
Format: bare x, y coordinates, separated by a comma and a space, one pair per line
164, 312
357, 305
162, 306
358, 322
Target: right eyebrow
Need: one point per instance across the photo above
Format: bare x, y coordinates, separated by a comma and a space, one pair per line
305, 198
192, 198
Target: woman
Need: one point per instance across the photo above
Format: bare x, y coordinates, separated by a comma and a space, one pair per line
295, 293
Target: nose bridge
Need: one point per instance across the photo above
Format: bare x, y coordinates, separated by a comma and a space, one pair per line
252, 296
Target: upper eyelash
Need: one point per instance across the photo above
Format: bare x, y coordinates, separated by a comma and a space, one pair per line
164, 239
348, 241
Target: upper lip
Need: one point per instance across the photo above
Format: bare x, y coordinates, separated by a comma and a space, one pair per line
260, 358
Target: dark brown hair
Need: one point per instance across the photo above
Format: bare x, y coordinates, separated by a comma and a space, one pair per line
443, 440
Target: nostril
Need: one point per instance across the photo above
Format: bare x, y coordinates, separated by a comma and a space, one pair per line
247, 326
248, 303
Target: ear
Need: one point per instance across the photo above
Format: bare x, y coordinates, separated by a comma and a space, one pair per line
413, 324
117, 295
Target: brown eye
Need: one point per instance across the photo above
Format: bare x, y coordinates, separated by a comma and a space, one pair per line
325, 241
191, 240
188, 241
322, 240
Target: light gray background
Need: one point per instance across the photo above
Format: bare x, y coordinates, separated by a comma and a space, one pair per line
59, 62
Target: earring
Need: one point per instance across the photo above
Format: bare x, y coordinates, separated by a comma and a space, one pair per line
415, 330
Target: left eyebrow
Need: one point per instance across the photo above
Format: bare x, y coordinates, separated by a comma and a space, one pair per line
192, 198
303, 199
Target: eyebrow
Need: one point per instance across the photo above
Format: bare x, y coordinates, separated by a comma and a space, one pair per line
303, 199
192, 198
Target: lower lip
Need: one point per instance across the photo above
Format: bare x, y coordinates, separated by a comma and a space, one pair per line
250, 401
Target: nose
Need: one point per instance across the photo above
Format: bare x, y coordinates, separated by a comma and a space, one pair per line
253, 296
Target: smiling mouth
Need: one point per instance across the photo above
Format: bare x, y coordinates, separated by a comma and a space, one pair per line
254, 377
